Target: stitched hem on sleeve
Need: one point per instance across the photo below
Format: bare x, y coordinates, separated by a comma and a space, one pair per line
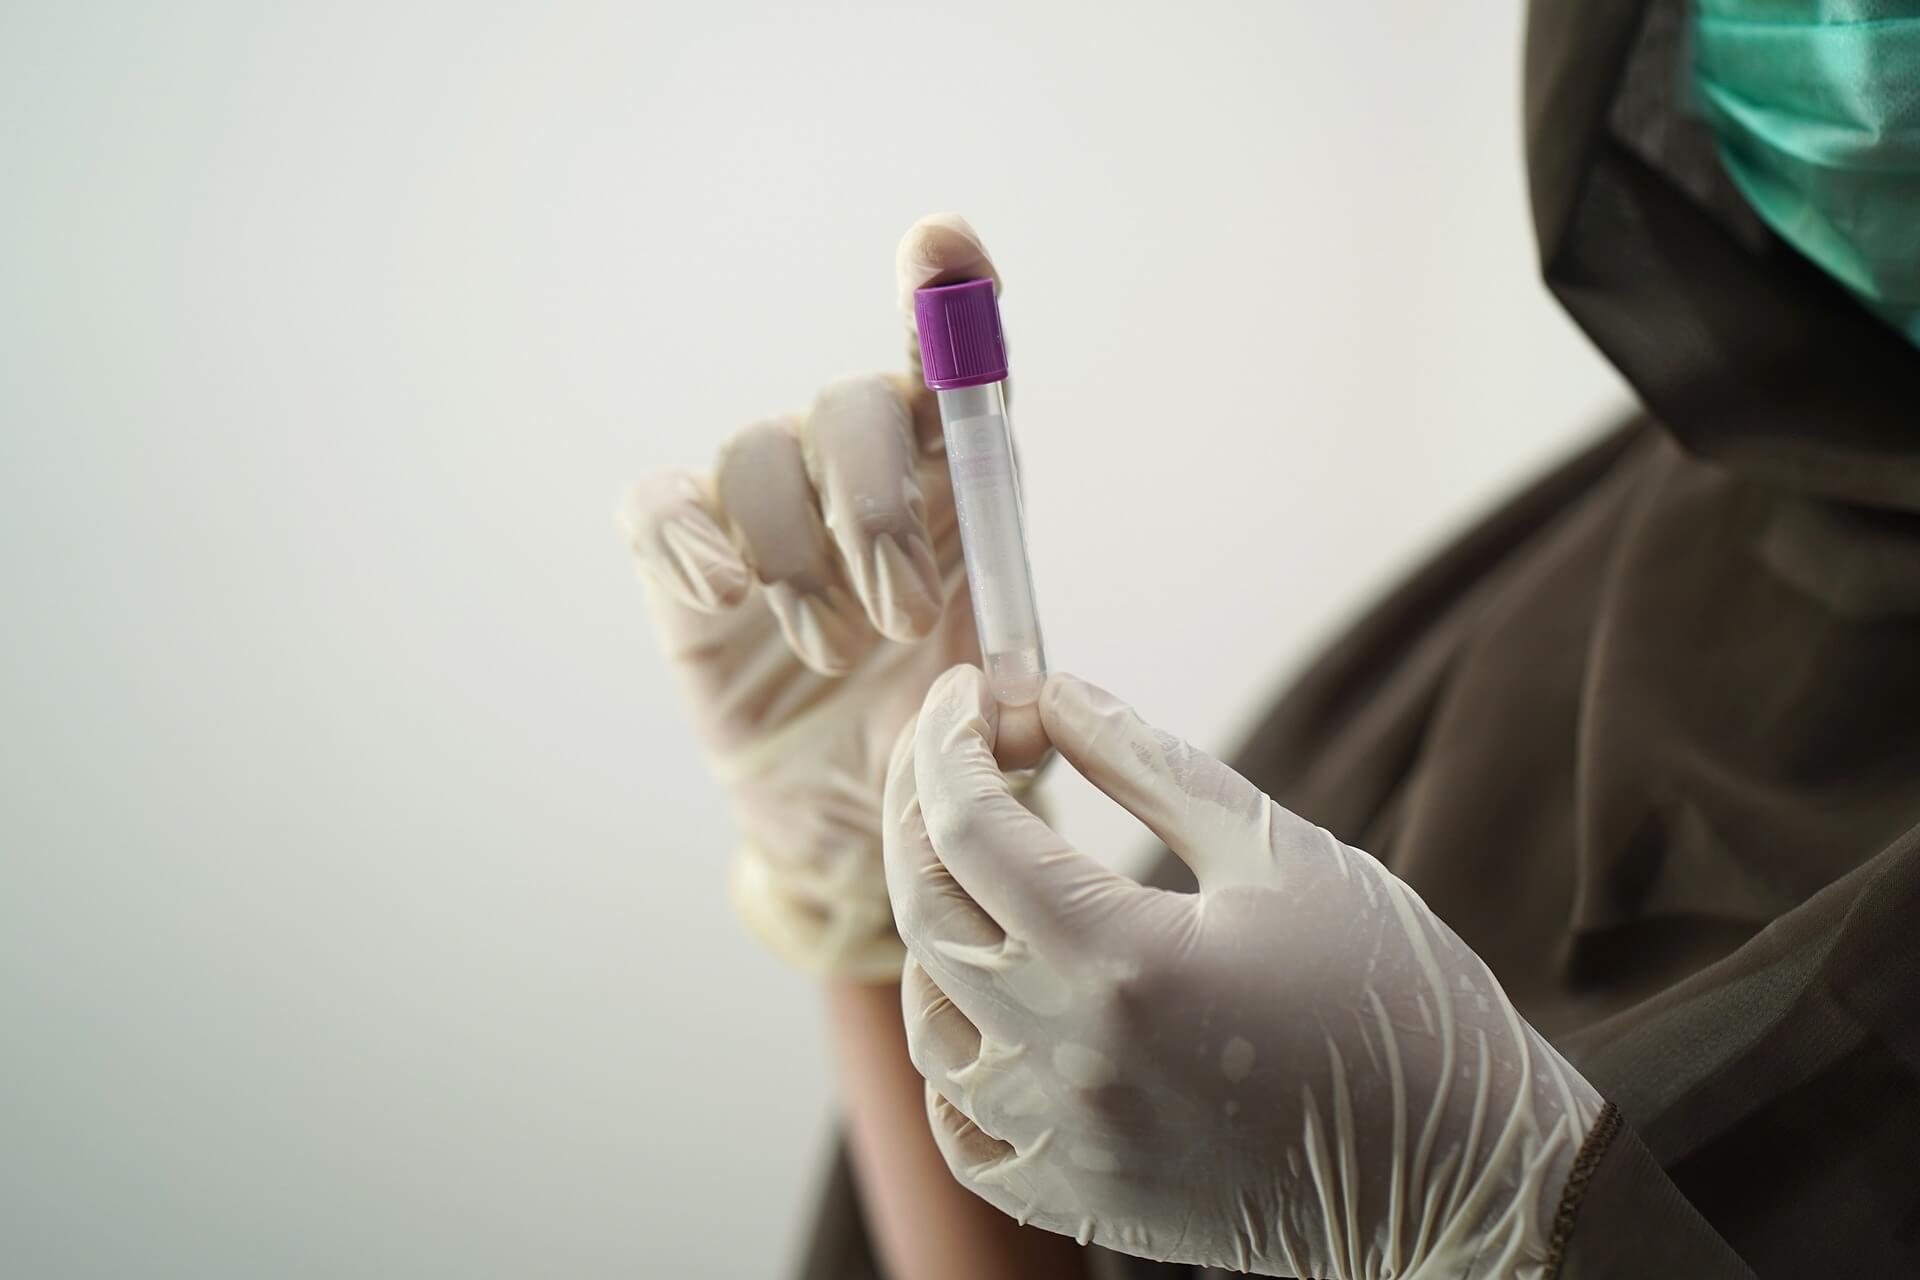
1584, 1164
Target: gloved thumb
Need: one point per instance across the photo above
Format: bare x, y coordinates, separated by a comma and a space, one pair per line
1220, 825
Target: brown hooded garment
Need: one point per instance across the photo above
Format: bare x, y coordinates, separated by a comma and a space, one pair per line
1648, 737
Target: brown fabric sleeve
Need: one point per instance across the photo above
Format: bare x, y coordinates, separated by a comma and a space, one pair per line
838, 1247
1621, 1218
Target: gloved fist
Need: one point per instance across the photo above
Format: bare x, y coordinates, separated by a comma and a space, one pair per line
1298, 1070
807, 591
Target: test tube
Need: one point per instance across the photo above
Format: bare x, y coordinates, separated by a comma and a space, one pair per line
965, 361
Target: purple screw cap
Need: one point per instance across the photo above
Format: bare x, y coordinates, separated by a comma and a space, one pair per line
959, 326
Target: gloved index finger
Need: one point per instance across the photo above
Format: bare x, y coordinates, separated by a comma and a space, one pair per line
941, 248
1018, 869
1221, 825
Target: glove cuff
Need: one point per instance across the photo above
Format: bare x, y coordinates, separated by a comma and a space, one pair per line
827, 927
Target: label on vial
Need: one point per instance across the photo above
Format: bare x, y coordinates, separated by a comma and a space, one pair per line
986, 498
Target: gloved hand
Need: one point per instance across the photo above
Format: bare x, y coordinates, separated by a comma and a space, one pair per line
1297, 1071
806, 592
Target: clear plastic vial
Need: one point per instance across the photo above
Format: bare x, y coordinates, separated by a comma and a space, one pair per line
965, 361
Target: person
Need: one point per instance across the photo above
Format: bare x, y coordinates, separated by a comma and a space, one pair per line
1610, 970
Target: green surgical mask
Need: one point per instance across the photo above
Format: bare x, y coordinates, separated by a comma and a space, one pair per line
1816, 105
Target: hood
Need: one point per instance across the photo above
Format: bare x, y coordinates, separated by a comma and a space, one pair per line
1748, 354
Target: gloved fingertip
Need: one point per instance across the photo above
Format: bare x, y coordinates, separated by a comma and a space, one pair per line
940, 247
958, 684
1060, 684
1067, 703
1021, 739
952, 221
957, 704
937, 241
1100, 735
980, 702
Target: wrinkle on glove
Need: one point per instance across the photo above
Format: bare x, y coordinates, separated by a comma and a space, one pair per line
1299, 1070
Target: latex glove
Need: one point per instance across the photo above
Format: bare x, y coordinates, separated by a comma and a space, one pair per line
1297, 1071
806, 592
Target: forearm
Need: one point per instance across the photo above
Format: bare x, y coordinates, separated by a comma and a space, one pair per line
925, 1225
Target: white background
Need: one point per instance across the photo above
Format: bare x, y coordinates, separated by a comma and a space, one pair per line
360, 889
